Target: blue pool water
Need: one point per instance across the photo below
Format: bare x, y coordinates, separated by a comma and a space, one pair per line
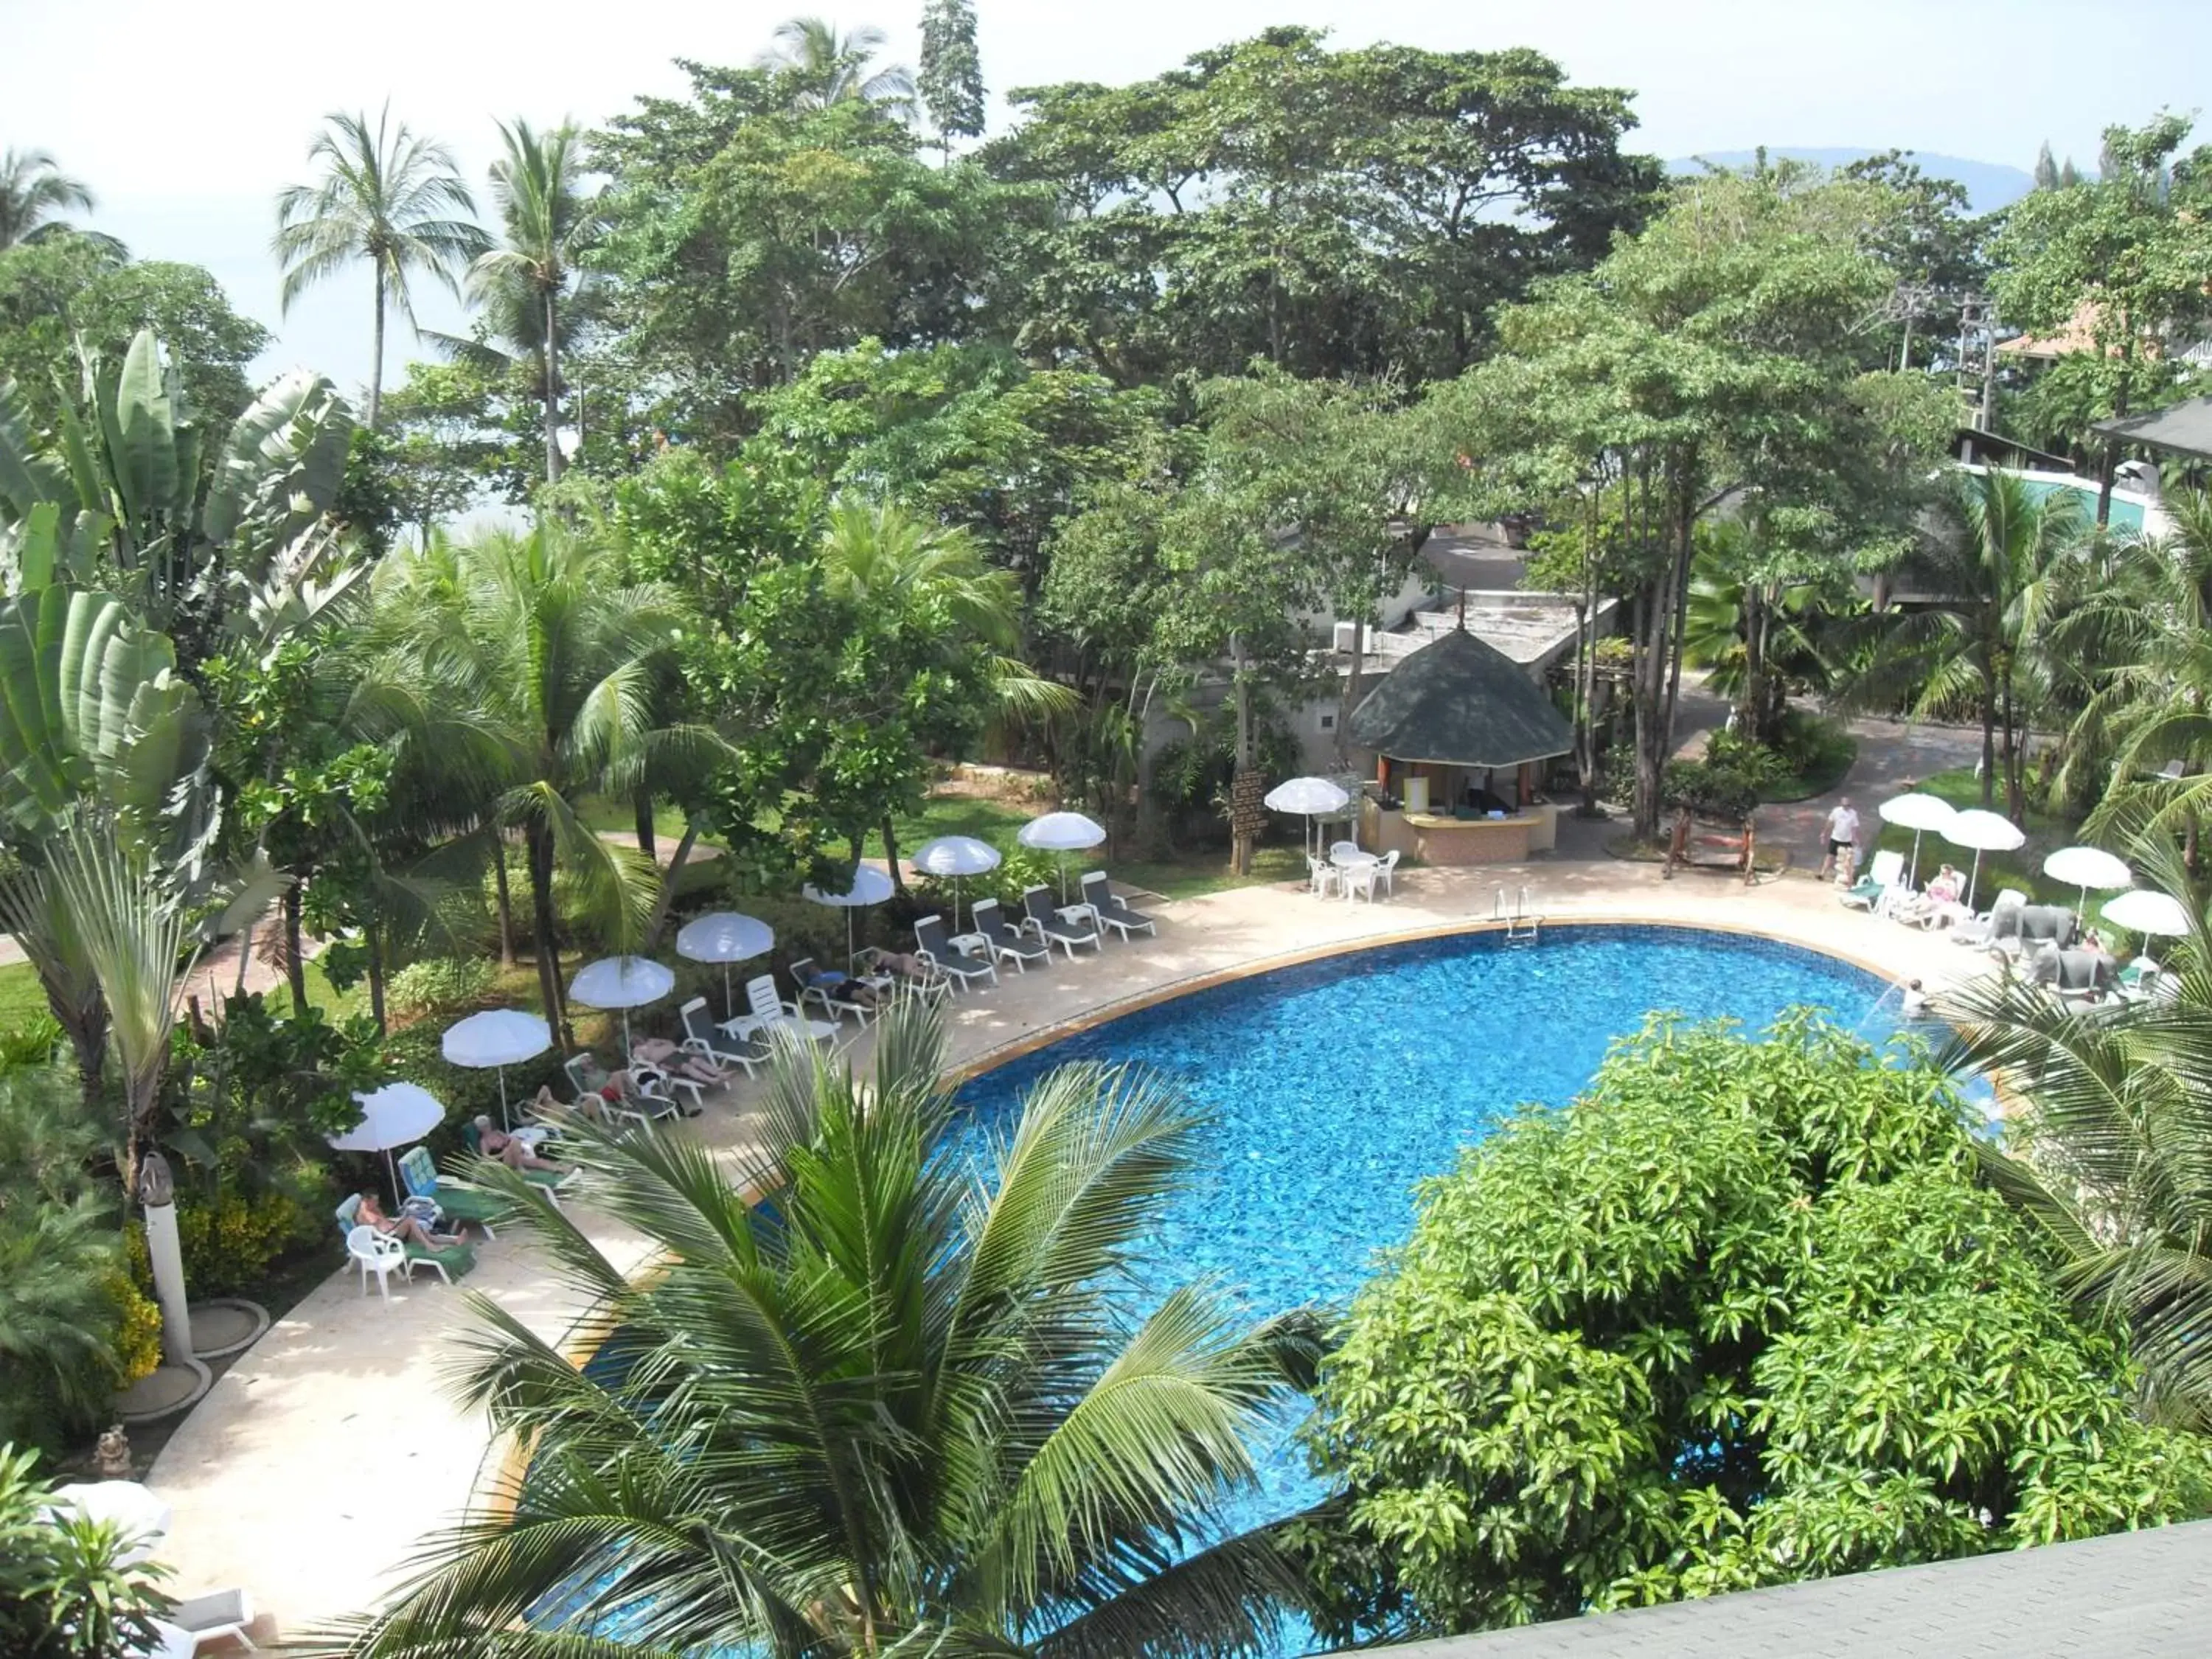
1334, 1087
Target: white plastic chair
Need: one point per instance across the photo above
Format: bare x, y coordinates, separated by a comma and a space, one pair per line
381, 1253
1320, 876
223, 1615
1383, 870
770, 1013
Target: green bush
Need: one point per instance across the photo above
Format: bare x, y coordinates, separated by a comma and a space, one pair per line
441, 987
1741, 1314
1710, 790
65, 1592
32, 1044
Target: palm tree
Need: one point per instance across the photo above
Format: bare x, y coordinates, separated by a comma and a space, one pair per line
878, 555
831, 67
1755, 640
2114, 1109
901, 1407
33, 190
2147, 631
387, 197
534, 643
522, 281
2002, 579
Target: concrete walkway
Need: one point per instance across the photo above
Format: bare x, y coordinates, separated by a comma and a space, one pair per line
317, 1464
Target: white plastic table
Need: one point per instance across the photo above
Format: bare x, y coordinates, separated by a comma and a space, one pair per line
1353, 862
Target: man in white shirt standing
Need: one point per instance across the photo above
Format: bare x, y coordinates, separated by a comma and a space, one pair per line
1843, 839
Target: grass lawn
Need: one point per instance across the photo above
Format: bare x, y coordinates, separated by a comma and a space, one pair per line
21, 999
603, 813
2021, 868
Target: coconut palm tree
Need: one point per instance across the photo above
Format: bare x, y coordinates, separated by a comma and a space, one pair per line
830, 68
2001, 578
2113, 1108
2146, 632
526, 278
901, 1406
535, 643
34, 192
387, 197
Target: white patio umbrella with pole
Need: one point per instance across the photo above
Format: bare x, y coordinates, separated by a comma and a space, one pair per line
1061, 833
495, 1040
724, 937
1309, 798
2086, 867
869, 885
398, 1114
1984, 832
624, 983
2145, 912
1918, 813
957, 856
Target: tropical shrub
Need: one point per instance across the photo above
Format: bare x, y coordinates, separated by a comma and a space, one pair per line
31, 1043
137, 1326
60, 1252
1710, 790
65, 1592
228, 1242
440, 986
1741, 1313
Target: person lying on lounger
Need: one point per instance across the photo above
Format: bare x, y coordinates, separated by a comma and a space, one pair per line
843, 987
598, 1085
512, 1150
370, 1214
684, 1062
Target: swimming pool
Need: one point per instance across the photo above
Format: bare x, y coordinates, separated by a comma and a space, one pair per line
1332, 1087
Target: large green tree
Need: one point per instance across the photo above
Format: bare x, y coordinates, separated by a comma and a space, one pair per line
387, 198
1338, 213
950, 84
901, 1407
2125, 258
1741, 1313
34, 192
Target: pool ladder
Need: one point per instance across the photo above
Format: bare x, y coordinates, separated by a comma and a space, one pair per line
1521, 917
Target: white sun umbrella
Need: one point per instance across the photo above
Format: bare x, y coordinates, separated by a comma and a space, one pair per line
495, 1040
2086, 867
624, 983
1061, 833
724, 937
1311, 798
398, 1114
130, 1508
955, 856
1916, 813
869, 886
1984, 832
2145, 912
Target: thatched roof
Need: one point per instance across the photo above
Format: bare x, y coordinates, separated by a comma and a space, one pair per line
1461, 702
2179, 428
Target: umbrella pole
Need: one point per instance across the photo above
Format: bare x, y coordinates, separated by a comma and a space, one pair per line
505, 1121
1974, 881
1913, 880
391, 1174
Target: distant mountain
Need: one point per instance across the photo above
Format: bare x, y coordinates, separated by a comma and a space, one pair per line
1990, 185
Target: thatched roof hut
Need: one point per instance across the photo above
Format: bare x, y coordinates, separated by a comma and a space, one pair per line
1458, 701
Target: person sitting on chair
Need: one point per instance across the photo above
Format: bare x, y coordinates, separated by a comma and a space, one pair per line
511, 1150
370, 1214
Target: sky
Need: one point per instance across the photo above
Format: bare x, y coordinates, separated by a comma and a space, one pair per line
186, 118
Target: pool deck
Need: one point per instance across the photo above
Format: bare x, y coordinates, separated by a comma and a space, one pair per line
316, 1465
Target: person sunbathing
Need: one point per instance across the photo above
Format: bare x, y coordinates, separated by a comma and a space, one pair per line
682, 1062
843, 987
904, 965
599, 1086
512, 1150
370, 1214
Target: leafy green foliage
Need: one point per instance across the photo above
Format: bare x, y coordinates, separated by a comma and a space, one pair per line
952, 78
905, 1394
440, 986
60, 1250
1741, 1314
64, 1592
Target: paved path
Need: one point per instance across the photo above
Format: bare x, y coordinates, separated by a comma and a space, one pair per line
2130, 1596
312, 1468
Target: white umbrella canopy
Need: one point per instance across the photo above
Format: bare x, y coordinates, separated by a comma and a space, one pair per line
1919, 813
1311, 798
1984, 832
2146, 911
957, 856
1062, 833
130, 1508
724, 937
2086, 867
398, 1114
624, 983
869, 886
495, 1040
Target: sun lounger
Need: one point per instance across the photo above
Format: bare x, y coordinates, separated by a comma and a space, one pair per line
224, 1615
908, 974
940, 952
1008, 943
1979, 930
1099, 894
1054, 928
1886, 870
699, 1038
642, 1107
457, 1203
385, 1253
822, 988
551, 1180
771, 1013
